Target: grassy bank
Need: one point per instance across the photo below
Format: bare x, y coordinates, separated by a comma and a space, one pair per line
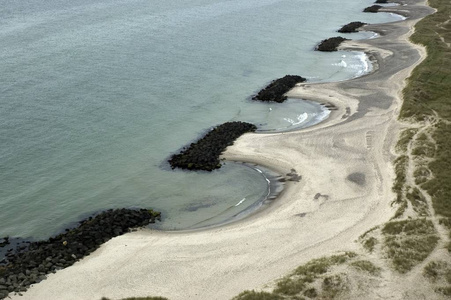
427, 99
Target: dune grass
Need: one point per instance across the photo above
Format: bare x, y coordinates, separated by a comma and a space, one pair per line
427, 96
407, 243
366, 266
140, 298
298, 284
439, 272
404, 139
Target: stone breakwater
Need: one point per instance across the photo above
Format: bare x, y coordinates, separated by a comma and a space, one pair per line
204, 154
372, 9
351, 27
330, 44
31, 262
276, 90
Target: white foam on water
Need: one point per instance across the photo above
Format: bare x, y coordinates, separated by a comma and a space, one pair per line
300, 119
398, 16
242, 200
322, 116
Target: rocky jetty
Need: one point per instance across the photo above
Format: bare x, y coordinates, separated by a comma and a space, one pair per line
276, 89
372, 9
330, 44
204, 154
351, 27
29, 263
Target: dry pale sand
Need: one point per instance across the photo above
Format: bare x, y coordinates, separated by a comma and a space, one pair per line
347, 174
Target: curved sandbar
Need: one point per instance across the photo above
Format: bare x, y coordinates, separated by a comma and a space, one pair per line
323, 212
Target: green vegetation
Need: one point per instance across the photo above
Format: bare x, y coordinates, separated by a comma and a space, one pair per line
367, 266
369, 244
424, 149
439, 186
334, 286
322, 265
427, 96
311, 293
401, 164
418, 201
140, 298
253, 295
409, 242
368, 232
400, 180
430, 84
297, 285
439, 272
404, 139
445, 222
421, 174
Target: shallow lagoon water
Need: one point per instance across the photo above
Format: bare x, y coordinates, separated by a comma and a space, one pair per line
96, 95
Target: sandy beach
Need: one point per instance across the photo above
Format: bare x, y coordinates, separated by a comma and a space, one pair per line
347, 175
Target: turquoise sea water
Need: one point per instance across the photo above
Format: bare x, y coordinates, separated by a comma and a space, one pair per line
96, 95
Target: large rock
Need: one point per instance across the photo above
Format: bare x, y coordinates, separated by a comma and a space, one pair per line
372, 9
204, 154
351, 27
276, 89
330, 44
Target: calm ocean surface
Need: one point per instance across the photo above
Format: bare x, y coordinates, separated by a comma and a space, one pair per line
95, 95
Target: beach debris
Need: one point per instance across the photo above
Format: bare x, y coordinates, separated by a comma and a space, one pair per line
347, 113
319, 195
293, 176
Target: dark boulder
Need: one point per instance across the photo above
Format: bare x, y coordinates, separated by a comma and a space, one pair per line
372, 9
351, 27
330, 44
204, 154
381, 1
276, 89
4, 241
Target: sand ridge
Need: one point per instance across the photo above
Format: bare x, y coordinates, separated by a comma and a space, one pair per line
346, 168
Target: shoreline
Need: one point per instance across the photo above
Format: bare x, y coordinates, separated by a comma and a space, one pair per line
275, 187
221, 262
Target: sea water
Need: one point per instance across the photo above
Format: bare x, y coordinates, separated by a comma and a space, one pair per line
96, 95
